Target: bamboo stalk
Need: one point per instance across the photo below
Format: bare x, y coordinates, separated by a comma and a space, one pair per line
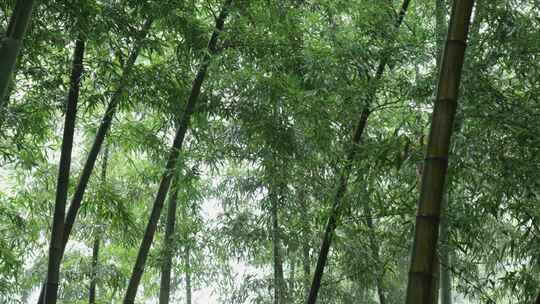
424, 262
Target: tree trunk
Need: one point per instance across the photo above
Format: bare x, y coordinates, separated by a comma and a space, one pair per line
113, 294
424, 262
335, 212
11, 44
62, 186
445, 261
279, 280
375, 250
305, 240
537, 299
168, 243
292, 275
138, 268
93, 279
478, 19
445, 277
188, 276
97, 240
96, 147
306, 265
440, 27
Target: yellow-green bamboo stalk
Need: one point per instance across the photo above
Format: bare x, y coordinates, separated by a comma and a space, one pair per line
424, 261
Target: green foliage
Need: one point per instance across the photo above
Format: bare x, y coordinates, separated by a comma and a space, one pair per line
275, 116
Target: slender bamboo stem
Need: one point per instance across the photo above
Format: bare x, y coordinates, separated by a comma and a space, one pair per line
97, 239
341, 189
11, 44
96, 147
55, 249
93, 279
168, 244
184, 123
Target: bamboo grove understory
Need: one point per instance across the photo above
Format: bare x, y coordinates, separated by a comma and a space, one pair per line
295, 151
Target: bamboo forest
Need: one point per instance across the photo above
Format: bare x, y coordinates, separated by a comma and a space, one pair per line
270, 151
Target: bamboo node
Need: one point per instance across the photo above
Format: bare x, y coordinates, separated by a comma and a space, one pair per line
430, 217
